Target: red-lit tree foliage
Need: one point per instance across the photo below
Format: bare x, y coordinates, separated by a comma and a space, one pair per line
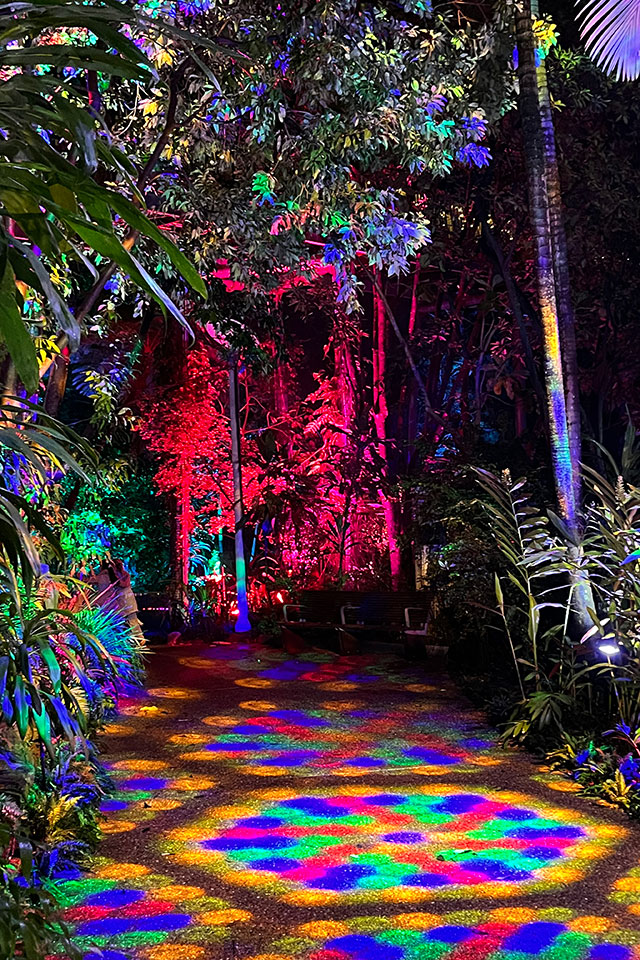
187, 425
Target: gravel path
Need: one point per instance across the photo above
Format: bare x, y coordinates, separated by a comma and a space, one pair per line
321, 808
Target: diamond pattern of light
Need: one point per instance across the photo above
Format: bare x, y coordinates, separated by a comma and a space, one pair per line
394, 844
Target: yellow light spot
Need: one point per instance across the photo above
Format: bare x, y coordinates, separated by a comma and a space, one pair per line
117, 826
175, 951
249, 878
310, 898
322, 928
270, 956
204, 755
116, 729
405, 894
416, 921
230, 812
173, 693
118, 871
186, 739
276, 793
219, 721
590, 924
140, 765
266, 771
192, 783
256, 682
177, 892
419, 687
196, 662
160, 803
259, 705
336, 686
564, 786
222, 917
634, 908
628, 883
513, 915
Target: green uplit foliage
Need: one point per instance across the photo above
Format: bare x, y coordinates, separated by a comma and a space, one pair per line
66, 191
290, 151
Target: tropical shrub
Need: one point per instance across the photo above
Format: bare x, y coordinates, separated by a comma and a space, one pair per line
573, 686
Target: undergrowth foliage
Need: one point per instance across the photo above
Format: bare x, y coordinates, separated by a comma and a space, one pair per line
578, 693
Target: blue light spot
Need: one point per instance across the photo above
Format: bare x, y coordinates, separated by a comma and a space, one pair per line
365, 948
534, 937
237, 843
114, 898
450, 934
143, 783
459, 803
403, 837
109, 806
386, 799
275, 864
262, 823
426, 880
431, 756
344, 877
610, 951
495, 869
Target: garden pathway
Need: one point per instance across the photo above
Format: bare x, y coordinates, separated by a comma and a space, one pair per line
323, 808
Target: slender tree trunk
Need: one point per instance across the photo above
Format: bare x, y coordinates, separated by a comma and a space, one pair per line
380, 420
538, 175
57, 383
243, 624
185, 531
345, 375
566, 316
563, 468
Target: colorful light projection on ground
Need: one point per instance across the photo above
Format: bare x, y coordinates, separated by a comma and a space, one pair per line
515, 933
402, 845
146, 788
124, 906
626, 890
342, 742
272, 667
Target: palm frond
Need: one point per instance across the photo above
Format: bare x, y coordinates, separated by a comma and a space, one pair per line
611, 31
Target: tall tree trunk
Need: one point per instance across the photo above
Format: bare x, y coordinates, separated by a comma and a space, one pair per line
184, 527
380, 419
243, 624
57, 383
345, 376
566, 316
564, 468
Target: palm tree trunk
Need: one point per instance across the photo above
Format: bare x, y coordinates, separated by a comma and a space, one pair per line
540, 172
533, 142
566, 316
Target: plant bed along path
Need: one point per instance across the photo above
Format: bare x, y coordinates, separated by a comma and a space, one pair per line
340, 808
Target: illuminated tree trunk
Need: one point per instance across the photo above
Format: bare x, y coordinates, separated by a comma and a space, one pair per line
566, 316
563, 468
185, 531
553, 291
243, 624
346, 378
380, 420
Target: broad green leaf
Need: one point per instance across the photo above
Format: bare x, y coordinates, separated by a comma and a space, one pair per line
14, 332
